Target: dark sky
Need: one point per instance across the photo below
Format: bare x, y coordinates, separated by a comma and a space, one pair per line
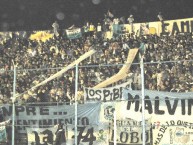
40, 14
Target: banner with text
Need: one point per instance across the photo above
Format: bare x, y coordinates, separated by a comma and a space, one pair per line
176, 131
41, 136
86, 135
89, 135
129, 132
45, 116
177, 26
170, 27
73, 33
170, 113
168, 120
159, 104
105, 94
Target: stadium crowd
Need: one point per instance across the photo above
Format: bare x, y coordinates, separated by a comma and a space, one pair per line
37, 60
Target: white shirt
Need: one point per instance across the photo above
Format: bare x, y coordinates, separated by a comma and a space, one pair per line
99, 28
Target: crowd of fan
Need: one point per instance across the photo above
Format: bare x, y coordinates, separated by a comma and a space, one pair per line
36, 61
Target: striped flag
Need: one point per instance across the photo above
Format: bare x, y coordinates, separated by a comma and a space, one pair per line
74, 33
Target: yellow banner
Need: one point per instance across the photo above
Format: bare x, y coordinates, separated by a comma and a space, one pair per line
41, 36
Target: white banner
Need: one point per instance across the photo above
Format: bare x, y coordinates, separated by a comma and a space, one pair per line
86, 135
37, 136
74, 33
129, 132
177, 26
178, 131
159, 104
171, 114
152, 94
105, 94
89, 135
169, 27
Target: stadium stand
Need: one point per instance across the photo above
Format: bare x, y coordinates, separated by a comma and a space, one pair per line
42, 55
30, 55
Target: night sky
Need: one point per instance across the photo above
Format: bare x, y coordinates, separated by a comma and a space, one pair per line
40, 14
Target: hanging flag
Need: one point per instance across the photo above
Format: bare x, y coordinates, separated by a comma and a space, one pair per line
109, 14
3, 134
142, 48
74, 33
41, 36
118, 29
71, 27
144, 28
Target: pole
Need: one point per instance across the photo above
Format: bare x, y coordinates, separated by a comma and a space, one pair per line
142, 98
115, 128
75, 99
13, 107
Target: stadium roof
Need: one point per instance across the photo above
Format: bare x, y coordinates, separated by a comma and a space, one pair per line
40, 14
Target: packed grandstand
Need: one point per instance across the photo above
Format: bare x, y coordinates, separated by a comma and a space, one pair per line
41, 55
38, 55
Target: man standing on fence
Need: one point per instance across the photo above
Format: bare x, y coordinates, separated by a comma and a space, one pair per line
55, 26
131, 20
